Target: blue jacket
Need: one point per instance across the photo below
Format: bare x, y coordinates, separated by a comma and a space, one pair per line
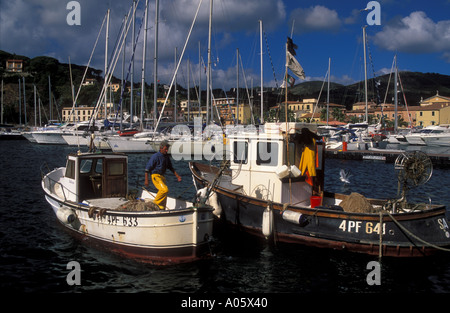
159, 163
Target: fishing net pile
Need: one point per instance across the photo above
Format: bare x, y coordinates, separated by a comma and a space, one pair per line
138, 205
357, 203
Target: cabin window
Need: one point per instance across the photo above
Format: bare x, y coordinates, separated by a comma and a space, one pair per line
115, 168
267, 153
99, 166
240, 149
86, 166
91, 166
70, 169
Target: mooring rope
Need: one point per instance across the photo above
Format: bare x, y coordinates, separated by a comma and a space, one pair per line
414, 236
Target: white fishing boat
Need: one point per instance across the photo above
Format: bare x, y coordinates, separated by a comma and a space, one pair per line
90, 198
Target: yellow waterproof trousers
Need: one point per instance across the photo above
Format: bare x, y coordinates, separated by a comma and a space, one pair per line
161, 197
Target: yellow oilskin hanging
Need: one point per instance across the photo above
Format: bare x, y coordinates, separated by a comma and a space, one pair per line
308, 162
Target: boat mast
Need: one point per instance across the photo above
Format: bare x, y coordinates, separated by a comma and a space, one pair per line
133, 42
144, 50
20, 104
123, 74
328, 89
237, 87
1, 121
106, 58
261, 61
365, 73
188, 89
155, 67
208, 73
395, 95
50, 97
199, 82
35, 115
175, 93
24, 101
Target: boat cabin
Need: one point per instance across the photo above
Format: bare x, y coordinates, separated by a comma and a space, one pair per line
93, 176
278, 165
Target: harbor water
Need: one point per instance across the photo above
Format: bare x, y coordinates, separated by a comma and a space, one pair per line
35, 250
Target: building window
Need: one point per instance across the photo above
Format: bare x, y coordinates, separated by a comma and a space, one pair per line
420, 113
432, 113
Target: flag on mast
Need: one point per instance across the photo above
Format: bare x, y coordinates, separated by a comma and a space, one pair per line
291, 62
290, 80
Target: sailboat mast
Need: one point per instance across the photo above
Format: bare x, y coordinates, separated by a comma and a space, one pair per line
188, 89
24, 101
144, 56
106, 58
365, 74
208, 73
199, 82
35, 115
1, 120
237, 87
133, 42
395, 95
155, 67
175, 93
50, 97
261, 61
328, 89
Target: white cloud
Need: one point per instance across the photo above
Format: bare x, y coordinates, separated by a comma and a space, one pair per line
415, 33
38, 27
317, 18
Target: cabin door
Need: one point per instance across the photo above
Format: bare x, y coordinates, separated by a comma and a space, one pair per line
115, 182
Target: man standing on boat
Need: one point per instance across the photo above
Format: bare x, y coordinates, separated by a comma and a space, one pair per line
157, 166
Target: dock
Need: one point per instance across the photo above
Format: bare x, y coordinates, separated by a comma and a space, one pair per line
380, 155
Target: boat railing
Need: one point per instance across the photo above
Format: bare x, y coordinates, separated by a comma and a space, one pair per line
55, 186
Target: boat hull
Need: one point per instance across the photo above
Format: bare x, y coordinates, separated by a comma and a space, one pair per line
49, 137
332, 228
438, 140
132, 145
157, 237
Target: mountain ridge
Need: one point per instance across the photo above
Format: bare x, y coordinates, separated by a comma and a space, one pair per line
416, 86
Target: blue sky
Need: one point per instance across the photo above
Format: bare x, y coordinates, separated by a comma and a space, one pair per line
417, 31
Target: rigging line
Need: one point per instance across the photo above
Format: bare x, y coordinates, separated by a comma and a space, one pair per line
318, 98
404, 98
134, 40
408, 232
194, 81
389, 81
248, 94
374, 76
108, 77
87, 67
178, 65
270, 58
